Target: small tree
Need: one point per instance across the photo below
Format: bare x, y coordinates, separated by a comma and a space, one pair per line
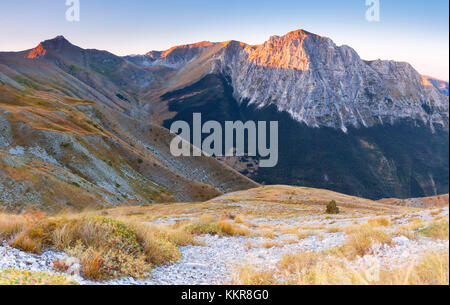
332, 207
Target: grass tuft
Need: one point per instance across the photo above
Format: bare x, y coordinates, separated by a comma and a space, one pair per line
436, 231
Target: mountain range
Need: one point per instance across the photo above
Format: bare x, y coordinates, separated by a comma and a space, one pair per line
84, 125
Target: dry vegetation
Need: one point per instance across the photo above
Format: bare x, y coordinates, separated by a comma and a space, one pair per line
438, 230
107, 248
322, 269
128, 241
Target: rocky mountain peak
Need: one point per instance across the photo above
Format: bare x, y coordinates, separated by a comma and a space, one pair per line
285, 52
56, 44
322, 84
313, 79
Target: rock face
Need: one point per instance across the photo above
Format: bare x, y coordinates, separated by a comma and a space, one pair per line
368, 128
317, 82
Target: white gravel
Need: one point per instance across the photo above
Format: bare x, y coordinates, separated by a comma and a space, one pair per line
14, 258
402, 253
215, 262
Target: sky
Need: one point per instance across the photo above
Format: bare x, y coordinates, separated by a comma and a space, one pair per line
415, 31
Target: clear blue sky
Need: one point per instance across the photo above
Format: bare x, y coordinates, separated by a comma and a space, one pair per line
415, 31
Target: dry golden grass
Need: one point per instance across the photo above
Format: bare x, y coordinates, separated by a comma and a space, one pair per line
334, 230
249, 276
408, 234
433, 271
301, 234
294, 263
267, 233
413, 224
268, 244
438, 230
322, 269
380, 222
106, 247
360, 242
160, 247
439, 218
11, 224
436, 212
232, 229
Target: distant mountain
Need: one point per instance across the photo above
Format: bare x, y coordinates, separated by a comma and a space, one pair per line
439, 84
375, 129
308, 76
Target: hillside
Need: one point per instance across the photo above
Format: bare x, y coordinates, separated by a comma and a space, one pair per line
59, 152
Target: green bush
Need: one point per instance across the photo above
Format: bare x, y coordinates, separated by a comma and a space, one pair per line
332, 208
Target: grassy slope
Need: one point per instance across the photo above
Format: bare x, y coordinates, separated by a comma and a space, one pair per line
96, 153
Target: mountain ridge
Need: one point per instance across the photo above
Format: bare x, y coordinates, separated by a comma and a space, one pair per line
326, 90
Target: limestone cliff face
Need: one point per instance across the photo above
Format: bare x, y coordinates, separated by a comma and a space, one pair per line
316, 81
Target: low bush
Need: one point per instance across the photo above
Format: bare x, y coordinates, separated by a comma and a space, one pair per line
332, 208
107, 248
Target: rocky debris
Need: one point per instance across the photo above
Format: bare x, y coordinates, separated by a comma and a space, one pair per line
14, 258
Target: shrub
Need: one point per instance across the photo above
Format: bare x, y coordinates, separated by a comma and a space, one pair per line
231, 229
158, 247
332, 208
360, 242
106, 247
35, 236
202, 229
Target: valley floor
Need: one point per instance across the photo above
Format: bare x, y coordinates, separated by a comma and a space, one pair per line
279, 235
